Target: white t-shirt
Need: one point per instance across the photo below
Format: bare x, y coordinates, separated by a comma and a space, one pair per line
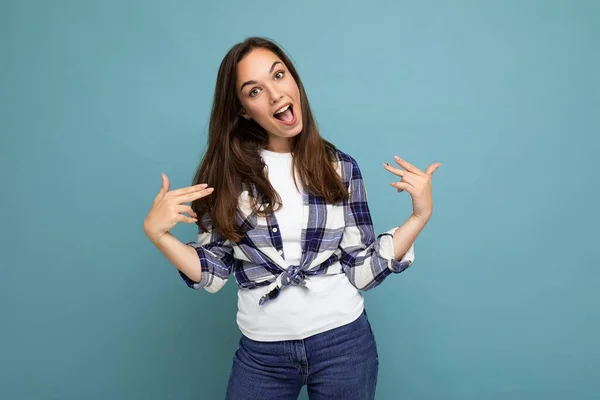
298, 312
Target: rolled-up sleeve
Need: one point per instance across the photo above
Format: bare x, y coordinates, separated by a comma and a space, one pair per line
387, 251
216, 260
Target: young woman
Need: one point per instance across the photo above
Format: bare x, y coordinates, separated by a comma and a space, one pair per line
286, 212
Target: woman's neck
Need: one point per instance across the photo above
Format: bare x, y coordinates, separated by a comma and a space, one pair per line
279, 145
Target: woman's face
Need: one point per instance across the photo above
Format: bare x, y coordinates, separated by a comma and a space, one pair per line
265, 87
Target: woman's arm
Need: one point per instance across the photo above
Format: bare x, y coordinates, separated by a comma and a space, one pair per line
203, 264
182, 256
366, 258
406, 235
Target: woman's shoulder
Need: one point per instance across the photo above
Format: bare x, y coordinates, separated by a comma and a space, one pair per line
348, 164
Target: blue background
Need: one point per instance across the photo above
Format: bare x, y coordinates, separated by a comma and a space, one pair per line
98, 98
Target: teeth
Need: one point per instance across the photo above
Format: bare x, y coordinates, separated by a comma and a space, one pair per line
283, 109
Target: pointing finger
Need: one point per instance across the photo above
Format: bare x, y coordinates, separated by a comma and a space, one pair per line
394, 170
408, 166
193, 196
407, 176
189, 189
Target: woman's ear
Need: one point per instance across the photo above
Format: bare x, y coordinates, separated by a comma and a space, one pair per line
244, 114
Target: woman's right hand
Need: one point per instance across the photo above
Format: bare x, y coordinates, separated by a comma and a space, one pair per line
167, 206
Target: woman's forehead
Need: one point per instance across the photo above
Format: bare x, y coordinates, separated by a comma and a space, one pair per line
257, 63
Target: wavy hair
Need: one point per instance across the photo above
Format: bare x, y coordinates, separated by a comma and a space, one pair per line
232, 156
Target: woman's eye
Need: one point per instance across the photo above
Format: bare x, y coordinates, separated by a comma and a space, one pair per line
254, 92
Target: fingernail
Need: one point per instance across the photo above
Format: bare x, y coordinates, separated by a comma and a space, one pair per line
386, 164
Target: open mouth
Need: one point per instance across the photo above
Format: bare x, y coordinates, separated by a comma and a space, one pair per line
286, 115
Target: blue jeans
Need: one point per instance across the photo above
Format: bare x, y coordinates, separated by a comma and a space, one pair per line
341, 363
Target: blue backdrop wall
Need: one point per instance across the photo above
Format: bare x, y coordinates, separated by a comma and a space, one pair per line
98, 98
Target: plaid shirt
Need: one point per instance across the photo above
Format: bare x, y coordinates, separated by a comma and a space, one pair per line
336, 238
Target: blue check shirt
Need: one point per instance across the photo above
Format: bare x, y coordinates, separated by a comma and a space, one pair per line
336, 238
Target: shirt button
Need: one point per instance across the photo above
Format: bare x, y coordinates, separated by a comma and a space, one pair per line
280, 252
274, 229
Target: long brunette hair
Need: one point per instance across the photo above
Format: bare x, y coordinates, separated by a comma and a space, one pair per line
232, 157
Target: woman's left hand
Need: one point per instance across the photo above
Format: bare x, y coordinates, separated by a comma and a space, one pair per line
417, 183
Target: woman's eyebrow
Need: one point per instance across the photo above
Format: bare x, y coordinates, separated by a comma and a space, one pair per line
254, 82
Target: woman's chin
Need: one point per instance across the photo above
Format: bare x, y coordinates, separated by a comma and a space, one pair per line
295, 132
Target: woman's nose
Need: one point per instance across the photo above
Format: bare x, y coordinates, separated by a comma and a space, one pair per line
275, 96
